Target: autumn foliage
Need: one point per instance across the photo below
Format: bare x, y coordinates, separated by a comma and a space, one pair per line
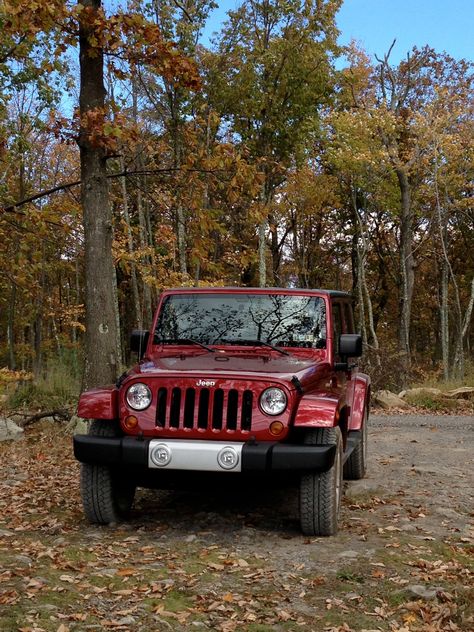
252, 160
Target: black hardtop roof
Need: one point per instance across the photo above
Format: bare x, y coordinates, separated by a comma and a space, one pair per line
261, 290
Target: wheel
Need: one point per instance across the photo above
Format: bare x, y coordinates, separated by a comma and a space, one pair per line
356, 465
321, 492
106, 496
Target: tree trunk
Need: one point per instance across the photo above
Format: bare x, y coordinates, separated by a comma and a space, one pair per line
459, 354
365, 302
11, 329
144, 240
458, 364
147, 302
77, 302
101, 350
407, 273
262, 263
181, 234
444, 319
275, 250
38, 321
131, 250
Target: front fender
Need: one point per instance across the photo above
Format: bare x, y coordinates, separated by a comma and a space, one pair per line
99, 403
360, 400
317, 411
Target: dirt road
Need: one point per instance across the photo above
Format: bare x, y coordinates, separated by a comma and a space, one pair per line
402, 561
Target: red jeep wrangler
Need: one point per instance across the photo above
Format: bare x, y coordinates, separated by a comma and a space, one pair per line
236, 382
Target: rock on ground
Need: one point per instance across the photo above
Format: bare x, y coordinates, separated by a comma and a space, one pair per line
387, 399
421, 391
76, 425
9, 431
464, 392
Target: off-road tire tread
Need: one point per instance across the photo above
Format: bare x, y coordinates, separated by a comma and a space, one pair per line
97, 483
355, 467
318, 511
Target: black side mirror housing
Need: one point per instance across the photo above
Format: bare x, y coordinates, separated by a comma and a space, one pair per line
350, 345
139, 342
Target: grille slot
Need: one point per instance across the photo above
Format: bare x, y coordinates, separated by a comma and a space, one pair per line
161, 407
189, 407
203, 408
246, 415
174, 407
218, 409
232, 403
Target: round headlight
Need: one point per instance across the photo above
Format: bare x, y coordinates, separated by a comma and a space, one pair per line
139, 396
273, 401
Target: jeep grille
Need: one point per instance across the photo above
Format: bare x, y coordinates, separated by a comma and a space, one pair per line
203, 408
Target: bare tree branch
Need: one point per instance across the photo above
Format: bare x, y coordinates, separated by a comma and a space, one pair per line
69, 185
181, 8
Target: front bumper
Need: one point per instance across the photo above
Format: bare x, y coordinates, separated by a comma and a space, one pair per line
208, 456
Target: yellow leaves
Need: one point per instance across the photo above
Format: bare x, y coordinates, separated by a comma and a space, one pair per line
8, 376
77, 325
409, 618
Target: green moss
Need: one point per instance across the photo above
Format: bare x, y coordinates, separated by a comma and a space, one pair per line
347, 575
431, 402
177, 600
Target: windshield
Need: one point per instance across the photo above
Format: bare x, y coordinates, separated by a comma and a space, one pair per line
282, 320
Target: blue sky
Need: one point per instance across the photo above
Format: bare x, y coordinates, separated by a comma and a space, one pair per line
444, 25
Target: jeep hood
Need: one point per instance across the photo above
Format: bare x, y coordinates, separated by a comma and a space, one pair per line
245, 365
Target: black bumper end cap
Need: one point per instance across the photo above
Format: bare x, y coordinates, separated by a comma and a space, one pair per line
110, 450
273, 456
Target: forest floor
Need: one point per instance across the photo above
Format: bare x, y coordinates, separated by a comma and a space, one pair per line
402, 561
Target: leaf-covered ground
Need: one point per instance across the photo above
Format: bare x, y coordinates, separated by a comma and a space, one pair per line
403, 559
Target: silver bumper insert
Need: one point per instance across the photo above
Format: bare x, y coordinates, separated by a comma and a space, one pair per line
205, 456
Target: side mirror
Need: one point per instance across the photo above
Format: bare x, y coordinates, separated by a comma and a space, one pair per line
139, 342
350, 345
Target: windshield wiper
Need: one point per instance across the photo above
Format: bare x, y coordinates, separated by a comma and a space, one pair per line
257, 343
185, 341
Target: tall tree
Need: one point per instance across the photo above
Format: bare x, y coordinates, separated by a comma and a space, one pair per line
275, 74
102, 359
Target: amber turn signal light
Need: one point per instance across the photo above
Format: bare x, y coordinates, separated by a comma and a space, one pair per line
276, 428
130, 422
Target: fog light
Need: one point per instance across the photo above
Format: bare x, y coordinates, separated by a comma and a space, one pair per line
228, 458
276, 428
161, 455
130, 422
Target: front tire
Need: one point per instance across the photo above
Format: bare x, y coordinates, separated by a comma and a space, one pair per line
107, 497
321, 492
356, 465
